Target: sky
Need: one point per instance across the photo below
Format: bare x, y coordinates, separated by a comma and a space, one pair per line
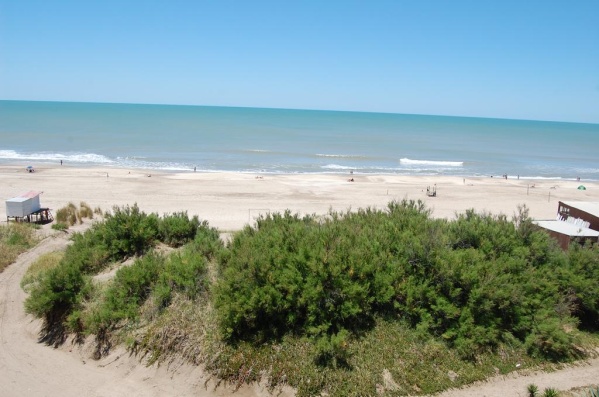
533, 59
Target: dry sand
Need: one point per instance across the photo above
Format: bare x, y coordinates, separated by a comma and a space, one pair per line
229, 201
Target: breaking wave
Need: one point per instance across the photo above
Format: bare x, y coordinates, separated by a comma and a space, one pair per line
406, 161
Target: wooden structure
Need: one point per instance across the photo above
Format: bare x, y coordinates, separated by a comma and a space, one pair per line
576, 221
568, 232
587, 211
27, 208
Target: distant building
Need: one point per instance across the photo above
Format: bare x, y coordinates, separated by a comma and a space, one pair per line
576, 221
27, 208
585, 210
567, 232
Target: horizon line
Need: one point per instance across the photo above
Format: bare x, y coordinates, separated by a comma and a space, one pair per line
300, 109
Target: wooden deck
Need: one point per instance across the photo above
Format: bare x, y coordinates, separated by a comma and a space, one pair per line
41, 216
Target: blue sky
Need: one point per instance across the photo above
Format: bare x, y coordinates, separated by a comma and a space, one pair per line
508, 59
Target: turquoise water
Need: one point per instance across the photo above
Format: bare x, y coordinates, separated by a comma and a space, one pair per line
180, 138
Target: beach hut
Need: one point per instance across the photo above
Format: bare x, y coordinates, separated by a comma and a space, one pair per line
567, 232
26, 207
588, 211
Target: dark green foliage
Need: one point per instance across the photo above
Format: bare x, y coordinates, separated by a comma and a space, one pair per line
185, 273
58, 293
333, 350
477, 282
581, 286
207, 242
128, 231
125, 232
129, 289
177, 229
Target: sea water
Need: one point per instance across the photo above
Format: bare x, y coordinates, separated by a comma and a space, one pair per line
181, 138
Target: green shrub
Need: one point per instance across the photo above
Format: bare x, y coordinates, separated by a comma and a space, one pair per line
332, 350
128, 231
207, 242
579, 281
60, 226
57, 293
177, 229
127, 292
125, 232
184, 273
476, 282
35, 272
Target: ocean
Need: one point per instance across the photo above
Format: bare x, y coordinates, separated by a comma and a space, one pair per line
253, 140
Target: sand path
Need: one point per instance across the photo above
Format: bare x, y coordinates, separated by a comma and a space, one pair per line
514, 384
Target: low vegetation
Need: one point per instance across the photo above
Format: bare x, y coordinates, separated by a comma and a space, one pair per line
38, 269
70, 215
358, 303
15, 238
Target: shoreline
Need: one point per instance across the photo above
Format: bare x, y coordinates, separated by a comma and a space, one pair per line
45, 163
230, 200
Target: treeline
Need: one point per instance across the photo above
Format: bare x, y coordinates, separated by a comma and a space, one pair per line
476, 283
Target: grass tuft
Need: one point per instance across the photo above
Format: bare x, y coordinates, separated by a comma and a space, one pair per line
15, 238
36, 271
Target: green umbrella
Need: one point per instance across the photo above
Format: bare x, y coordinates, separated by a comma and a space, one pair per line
581, 187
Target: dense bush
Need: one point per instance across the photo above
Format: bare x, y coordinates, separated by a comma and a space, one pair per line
128, 231
185, 273
476, 282
177, 229
60, 291
125, 294
578, 280
125, 232
317, 277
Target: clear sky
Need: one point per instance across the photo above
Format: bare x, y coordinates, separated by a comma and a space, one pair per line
525, 59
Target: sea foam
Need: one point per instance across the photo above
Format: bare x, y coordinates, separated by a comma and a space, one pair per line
406, 161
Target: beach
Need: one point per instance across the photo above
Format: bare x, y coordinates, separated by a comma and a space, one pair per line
231, 200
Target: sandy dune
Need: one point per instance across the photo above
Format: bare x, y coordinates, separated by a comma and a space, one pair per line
229, 201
